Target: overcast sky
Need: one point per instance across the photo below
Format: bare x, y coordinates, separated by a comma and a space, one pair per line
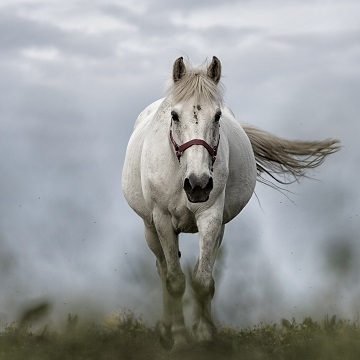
74, 77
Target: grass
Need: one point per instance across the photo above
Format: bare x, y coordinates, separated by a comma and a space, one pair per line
128, 337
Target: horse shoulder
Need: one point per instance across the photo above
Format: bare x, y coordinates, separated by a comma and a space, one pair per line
132, 172
161, 179
148, 113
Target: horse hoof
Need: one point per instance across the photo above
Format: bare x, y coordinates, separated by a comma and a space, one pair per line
166, 339
172, 339
180, 344
181, 339
203, 332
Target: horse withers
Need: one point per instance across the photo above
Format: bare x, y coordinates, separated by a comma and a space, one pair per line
191, 167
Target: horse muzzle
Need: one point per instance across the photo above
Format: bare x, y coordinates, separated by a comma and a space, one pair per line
198, 188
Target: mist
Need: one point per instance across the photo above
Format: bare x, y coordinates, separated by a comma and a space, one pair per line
74, 77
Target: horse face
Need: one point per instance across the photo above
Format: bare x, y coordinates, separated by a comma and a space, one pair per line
196, 128
195, 117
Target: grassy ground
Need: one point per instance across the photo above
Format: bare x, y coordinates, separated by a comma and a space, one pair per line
129, 338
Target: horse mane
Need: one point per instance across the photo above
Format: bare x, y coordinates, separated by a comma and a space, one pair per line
195, 84
276, 156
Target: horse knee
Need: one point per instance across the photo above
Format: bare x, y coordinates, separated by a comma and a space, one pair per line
204, 287
175, 284
161, 266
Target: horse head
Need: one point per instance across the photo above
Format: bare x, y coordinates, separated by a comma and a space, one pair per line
196, 100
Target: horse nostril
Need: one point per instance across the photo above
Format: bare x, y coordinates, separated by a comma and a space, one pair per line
209, 185
187, 186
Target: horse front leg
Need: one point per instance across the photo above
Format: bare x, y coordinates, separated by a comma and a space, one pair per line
154, 244
173, 279
211, 232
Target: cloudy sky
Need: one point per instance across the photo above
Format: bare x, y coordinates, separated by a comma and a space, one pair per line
73, 77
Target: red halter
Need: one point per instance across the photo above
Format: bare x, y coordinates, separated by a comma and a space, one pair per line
179, 150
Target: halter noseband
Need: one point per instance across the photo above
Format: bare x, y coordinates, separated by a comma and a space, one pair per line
179, 150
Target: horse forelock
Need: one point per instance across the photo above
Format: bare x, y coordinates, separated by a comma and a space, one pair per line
196, 85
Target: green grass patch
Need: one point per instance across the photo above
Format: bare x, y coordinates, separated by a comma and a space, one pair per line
128, 337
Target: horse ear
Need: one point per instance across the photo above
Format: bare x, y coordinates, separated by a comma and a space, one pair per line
179, 69
214, 70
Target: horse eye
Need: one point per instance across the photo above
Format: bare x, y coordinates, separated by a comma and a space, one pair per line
217, 116
174, 116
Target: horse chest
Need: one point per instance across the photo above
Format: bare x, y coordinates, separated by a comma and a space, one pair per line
183, 220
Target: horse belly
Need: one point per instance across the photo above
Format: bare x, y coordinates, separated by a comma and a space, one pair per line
242, 174
236, 198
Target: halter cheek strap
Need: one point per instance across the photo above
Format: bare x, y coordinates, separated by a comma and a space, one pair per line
179, 150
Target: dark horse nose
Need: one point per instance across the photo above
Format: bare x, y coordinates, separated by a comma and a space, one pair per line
198, 188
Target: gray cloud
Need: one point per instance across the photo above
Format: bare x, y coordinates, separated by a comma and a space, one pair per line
20, 33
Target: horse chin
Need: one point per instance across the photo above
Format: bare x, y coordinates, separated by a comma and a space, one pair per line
198, 196
197, 200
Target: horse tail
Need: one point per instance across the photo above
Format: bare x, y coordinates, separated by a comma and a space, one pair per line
289, 158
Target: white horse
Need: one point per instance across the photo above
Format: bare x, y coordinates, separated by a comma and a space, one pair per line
191, 167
